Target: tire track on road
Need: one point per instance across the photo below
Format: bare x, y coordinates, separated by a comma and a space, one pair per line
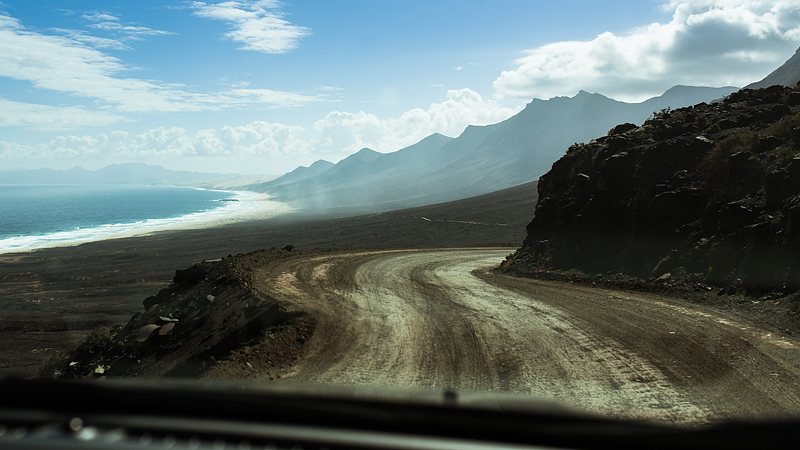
438, 318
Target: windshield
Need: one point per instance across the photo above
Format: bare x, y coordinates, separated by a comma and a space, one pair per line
590, 203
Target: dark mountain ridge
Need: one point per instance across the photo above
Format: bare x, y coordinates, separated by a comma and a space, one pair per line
787, 74
482, 159
706, 194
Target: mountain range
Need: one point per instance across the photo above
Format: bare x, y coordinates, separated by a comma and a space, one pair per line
482, 159
127, 173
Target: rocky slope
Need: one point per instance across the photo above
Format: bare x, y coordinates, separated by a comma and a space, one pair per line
209, 312
788, 74
706, 194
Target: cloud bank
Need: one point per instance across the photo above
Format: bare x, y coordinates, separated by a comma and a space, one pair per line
333, 137
707, 43
349, 132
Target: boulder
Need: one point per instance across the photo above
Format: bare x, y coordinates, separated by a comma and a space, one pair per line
146, 332
151, 301
166, 329
774, 113
189, 276
622, 128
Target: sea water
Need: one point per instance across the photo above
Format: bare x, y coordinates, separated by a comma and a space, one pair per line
36, 216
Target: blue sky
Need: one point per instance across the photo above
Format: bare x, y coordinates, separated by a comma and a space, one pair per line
264, 86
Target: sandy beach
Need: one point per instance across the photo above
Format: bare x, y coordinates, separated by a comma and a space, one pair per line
237, 207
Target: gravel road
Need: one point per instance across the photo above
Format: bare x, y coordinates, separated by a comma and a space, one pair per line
441, 318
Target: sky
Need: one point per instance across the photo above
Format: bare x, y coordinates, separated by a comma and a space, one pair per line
261, 87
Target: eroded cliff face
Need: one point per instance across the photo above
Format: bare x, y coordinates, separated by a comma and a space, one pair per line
710, 193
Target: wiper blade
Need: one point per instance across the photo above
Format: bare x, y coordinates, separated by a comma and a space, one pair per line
133, 404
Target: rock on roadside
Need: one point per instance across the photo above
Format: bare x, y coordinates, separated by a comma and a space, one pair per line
208, 312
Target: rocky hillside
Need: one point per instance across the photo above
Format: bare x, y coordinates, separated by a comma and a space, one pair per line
709, 193
209, 311
787, 74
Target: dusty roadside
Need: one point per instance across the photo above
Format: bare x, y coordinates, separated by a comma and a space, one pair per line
776, 311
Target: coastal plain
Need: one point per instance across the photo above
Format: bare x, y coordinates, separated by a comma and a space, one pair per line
51, 298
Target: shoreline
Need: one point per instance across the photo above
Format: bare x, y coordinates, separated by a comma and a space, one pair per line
242, 207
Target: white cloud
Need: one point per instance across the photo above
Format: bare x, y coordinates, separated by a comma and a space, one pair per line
333, 137
458, 69
258, 25
342, 132
48, 118
107, 22
92, 41
66, 64
96, 16
242, 96
257, 139
707, 42
112, 25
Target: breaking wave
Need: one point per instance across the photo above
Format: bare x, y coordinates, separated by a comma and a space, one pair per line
236, 206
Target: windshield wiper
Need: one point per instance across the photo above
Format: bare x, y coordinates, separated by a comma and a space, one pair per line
287, 415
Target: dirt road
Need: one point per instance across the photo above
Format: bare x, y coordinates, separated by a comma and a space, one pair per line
440, 318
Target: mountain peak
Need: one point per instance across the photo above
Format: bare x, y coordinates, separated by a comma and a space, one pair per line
787, 74
679, 88
365, 154
320, 163
436, 137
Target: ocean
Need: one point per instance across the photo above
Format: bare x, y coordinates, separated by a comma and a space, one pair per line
37, 216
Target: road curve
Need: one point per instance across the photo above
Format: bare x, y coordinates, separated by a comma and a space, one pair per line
440, 318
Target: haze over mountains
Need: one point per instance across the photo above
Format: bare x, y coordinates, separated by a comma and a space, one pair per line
127, 173
482, 159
